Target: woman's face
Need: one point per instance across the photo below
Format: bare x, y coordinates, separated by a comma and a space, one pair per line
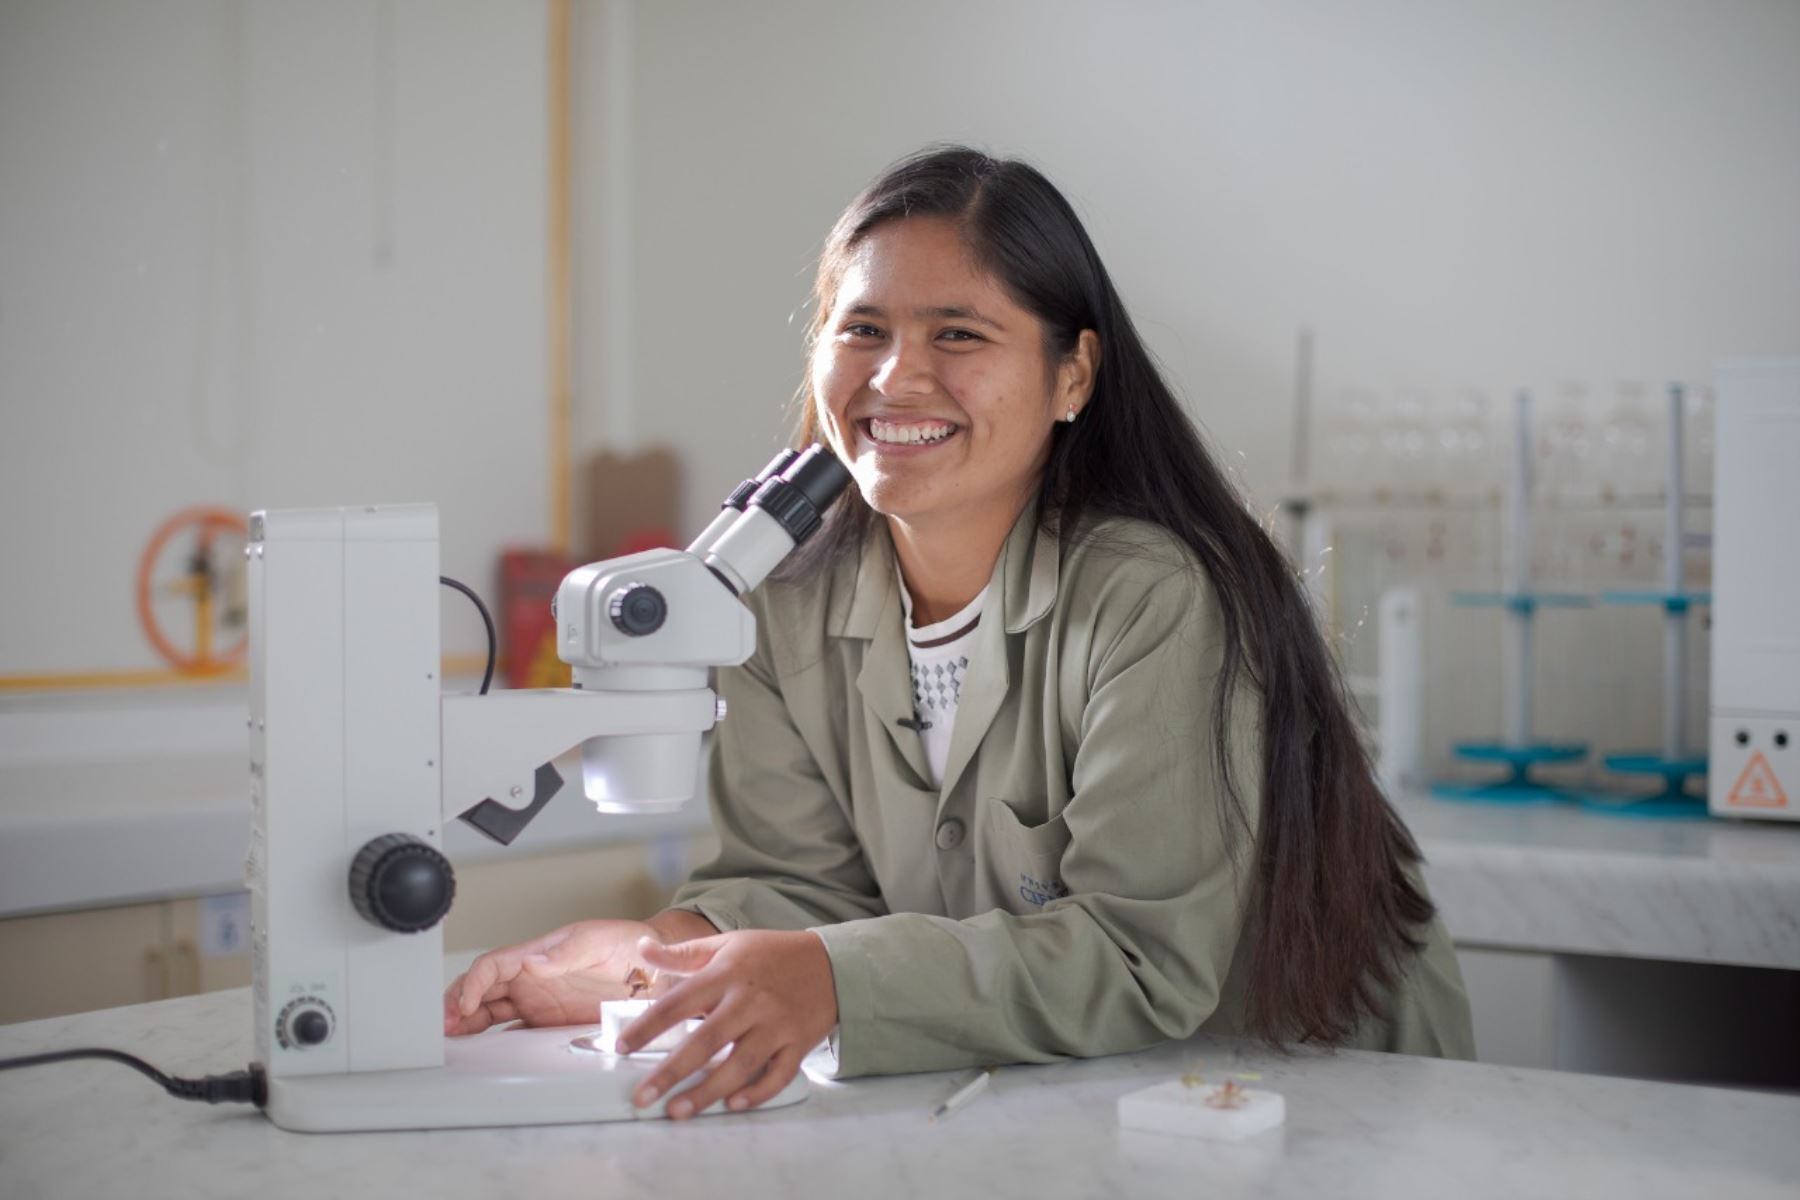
933, 385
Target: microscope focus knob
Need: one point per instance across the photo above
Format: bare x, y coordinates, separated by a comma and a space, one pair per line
400, 883
637, 609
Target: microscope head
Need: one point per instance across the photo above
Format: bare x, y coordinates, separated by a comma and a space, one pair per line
659, 621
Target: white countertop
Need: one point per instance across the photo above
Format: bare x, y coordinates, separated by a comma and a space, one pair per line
1553, 878
1359, 1124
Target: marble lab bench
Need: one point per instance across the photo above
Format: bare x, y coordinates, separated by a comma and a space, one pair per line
1594, 942
1358, 1124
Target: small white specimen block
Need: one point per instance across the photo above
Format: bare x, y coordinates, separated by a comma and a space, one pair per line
615, 1015
1183, 1109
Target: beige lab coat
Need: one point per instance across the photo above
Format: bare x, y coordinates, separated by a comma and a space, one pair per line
1068, 891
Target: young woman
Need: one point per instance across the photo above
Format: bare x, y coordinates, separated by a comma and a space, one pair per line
1041, 752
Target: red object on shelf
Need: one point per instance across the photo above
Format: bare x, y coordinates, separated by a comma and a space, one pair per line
528, 580
648, 538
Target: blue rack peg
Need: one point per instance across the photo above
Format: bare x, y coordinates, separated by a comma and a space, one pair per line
1518, 787
1673, 801
1671, 602
1522, 602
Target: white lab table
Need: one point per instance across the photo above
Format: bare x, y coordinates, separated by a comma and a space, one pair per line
1565, 880
1359, 1124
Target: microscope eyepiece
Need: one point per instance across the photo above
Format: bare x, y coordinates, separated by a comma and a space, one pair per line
819, 475
783, 511
740, 495
738, 501
799, 496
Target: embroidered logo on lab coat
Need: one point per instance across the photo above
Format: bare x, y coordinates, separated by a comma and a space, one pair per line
1040, 892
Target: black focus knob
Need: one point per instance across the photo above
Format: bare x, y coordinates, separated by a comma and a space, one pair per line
638, 609
400, 883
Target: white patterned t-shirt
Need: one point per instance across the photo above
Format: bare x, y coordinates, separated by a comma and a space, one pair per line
940, 663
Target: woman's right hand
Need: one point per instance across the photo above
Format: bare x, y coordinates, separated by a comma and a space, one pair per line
557, 979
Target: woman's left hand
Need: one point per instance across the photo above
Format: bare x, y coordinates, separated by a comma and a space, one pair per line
767, 994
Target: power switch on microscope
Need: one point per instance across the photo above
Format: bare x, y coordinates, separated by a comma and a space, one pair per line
304, 1022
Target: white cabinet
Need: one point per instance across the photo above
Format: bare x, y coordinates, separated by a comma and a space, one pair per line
1644, 1018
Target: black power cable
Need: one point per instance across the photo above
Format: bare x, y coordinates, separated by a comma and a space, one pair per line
488, 675
249, 1086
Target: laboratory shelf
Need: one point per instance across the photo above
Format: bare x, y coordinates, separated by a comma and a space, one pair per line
1523, 602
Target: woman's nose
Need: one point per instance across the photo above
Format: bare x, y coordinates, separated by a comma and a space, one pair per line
904, 372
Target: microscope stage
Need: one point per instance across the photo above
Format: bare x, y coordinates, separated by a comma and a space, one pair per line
502, 1077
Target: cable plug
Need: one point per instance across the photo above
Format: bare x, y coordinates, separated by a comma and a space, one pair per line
249, 1086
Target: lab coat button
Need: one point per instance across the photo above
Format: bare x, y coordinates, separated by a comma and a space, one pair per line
950, 834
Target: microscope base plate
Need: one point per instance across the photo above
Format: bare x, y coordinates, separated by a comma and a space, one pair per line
498, 1078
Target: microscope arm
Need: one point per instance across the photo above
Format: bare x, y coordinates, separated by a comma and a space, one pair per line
493, 744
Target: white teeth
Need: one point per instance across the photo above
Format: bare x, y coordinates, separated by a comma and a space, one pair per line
905, 435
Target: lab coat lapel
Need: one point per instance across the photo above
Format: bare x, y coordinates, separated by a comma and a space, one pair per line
885, 678
1020, 593
885, 682
983, 691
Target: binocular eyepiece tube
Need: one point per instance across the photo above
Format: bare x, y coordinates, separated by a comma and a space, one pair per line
784, 506
734, 504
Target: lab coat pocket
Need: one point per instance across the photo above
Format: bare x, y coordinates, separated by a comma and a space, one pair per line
1026, 859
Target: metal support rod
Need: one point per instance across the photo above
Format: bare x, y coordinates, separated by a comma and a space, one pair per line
1674, 616
1516, 633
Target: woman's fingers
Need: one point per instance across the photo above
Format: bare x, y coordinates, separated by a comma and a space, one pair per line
744, 1063
696, 1050
688, 999
497, 1012
488, 974
768, 991
457, 1025
453, 1001
680, 958
558, 958
777, 1075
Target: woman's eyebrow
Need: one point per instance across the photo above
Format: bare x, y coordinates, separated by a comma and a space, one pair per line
958, 312
945, 312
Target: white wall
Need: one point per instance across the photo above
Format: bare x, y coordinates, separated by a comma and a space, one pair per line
1475, 194
220, 279
1480, 195
261, 254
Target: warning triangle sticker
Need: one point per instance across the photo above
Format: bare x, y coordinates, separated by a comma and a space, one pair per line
1757, 787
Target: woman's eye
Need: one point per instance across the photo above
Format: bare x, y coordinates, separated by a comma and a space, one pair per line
960, 335
859, 329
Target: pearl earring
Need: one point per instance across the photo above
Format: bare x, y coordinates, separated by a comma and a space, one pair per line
1069, 417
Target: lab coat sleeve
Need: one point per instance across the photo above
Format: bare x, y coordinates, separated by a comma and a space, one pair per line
788, 857
1140, 948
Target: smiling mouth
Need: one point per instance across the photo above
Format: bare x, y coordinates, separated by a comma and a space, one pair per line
907, 433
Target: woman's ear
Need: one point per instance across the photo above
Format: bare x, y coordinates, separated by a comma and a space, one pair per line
1076, 373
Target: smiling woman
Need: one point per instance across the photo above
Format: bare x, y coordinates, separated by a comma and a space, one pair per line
1040, 753
935, 386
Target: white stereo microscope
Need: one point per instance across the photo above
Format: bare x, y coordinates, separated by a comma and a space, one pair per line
357, 758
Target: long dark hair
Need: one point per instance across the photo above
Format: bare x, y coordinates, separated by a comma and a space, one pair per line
1333, 907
